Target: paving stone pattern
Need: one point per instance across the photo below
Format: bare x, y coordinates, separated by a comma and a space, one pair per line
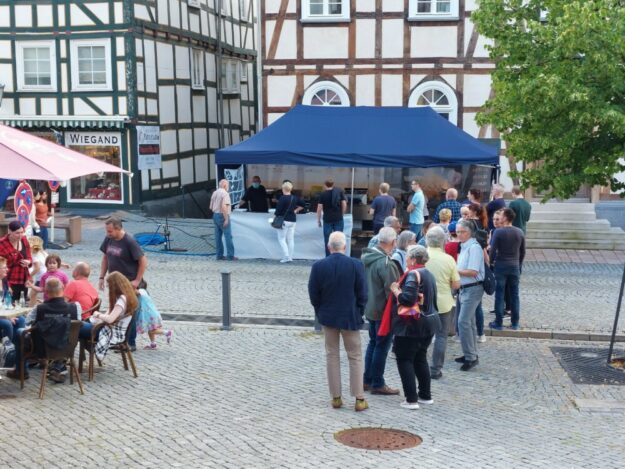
555, 295
257, 398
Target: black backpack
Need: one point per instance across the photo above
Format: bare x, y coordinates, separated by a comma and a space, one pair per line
489, 279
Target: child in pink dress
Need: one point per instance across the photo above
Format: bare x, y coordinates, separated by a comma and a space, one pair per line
53, 266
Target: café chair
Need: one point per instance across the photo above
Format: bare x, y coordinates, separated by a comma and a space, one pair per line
90, 344
66, 353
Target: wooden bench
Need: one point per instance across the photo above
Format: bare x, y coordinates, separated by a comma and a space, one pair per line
71, 225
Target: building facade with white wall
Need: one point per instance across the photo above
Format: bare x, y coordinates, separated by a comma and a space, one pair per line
157, 84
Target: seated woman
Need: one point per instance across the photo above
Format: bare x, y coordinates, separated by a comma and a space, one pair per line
122, 303
7, 326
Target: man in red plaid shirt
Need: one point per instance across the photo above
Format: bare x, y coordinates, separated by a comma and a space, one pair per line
15, 249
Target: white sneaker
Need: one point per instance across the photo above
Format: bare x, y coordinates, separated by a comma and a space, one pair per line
481, 338
284, 260
410, 405
426, 401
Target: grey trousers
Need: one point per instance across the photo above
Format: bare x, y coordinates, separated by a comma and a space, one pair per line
440, 344
469, 300
351, 341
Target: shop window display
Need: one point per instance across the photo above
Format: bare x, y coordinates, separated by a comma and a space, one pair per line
100, 187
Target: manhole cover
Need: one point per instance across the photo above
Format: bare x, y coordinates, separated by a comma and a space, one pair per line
588, 366
377, 438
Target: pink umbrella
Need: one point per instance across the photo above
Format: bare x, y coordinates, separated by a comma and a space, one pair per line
25, 156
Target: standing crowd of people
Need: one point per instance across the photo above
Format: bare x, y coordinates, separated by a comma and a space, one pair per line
416, 286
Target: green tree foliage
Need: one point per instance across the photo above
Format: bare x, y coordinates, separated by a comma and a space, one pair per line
559, 89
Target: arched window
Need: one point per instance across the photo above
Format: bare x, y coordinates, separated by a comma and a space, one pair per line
325, 93
439, 97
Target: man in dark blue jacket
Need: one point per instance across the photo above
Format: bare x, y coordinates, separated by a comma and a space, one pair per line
338, 291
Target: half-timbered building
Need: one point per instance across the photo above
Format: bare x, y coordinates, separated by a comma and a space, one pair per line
153, 86
376, 53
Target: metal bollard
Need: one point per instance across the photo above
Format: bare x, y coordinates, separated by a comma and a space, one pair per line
317, 325
226, 305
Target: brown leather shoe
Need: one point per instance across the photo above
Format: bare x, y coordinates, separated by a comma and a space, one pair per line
385, 391
366, 387
14, 374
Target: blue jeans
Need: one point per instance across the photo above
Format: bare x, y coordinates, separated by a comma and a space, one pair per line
416, 229
470, 299
8, 329
507, 277
226, 232
375, 357
479, 319
43, 234
328, 229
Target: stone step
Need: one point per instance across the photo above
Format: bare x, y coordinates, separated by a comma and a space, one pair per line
563, 216
550, 243
609, 234
568, 225
562, 207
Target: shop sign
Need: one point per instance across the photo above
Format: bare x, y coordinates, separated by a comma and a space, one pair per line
149, 147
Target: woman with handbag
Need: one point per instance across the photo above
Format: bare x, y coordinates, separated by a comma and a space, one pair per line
411, 316
288, 206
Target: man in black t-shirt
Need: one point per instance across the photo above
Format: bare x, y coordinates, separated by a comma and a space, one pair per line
333, 204
255, 197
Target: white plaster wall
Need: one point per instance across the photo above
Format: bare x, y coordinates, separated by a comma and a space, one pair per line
199, 108
365, 90
211, 100
23, 16
200, 138
5, 16
391, 90
273, 6
170, 169
100, 10
287, 46
152, 107
118, 11
325, 43
121, 76
433, 42
105, 103
469, 124
365, 38
184, 98
44, 15
392, 38
167, 113
121, 46
168, 142
165, 61
186, 171
391, 5
48, 107
27, 106
451, 80
470, 5
272, 117
480, 48
476, 89
78, 18
415, 80
365, 5
280, 90
150, 66
201, 168
185, 140
141, 12
61, 15
162, 17
174, 14
182, 62
213, 138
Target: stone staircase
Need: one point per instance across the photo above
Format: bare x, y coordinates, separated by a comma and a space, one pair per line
571, 225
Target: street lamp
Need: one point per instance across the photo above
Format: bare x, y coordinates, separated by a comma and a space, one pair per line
1, 92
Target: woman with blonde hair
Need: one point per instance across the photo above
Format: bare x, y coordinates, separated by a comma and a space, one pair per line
288, 206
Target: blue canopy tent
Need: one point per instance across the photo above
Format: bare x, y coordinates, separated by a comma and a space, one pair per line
397, 137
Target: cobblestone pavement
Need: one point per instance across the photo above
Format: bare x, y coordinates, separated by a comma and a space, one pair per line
238, 400
555, 296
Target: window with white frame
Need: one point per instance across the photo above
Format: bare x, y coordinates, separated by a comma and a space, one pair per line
244, 6
230, 77
433, 10
91, 64
243, 65
325, 93
36, 66
197, 69
325, 10
439, 96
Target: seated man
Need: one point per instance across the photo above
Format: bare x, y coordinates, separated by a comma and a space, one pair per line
80, 289
51, 327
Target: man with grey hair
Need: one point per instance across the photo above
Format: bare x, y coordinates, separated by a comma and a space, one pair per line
497, 203
338, 291
381, 272
391, 221
220, 205
451, 203
471, 271
443, 268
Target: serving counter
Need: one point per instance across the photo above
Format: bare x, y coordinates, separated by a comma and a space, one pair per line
255, 238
